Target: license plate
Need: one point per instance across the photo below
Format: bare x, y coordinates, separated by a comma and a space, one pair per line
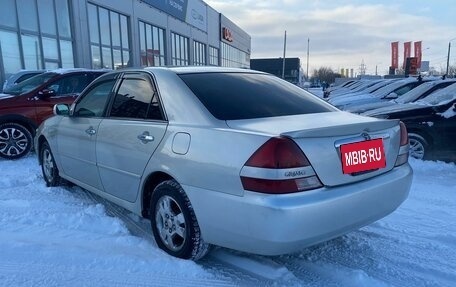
362, 156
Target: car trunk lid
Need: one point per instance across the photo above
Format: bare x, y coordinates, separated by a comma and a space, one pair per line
320, 136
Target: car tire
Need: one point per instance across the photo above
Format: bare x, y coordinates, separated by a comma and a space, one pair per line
15, 141
174, 223
48, 166
419, 147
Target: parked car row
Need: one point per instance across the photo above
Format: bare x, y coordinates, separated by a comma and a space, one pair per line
425, 105
226, 157
25, 105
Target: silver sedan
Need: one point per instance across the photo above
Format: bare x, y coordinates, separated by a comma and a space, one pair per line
227, 157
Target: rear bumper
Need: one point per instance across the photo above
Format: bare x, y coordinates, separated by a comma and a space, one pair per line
279, 224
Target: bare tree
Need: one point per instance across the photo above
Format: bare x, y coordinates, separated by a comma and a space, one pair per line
325, 74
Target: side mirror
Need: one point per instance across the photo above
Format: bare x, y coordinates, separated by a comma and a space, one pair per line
454, 107
391, 96
61, 110
43, 94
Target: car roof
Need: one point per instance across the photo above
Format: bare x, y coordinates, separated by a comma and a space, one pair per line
62, 71
204, 69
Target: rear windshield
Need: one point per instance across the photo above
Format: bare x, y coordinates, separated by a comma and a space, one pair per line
236, 96
30, 84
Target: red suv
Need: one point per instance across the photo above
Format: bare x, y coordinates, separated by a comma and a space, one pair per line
24, 106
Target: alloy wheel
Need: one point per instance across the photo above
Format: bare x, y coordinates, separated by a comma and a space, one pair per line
170, 223
417, 148
48, 165
13, 142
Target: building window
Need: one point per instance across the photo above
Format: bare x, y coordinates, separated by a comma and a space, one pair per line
213, 56
9, 47
152, 43
179, 50
109, 38
199, 54
232, 57
34, 35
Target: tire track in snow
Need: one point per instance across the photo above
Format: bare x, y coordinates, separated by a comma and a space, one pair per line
9, 272
216, 262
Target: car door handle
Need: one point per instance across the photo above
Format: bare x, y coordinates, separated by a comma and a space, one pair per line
145, 137
90, 131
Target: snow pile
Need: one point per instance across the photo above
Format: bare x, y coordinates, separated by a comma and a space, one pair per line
67, 237
60, 236
451, 112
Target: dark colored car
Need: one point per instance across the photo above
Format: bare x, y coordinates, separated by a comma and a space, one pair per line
431, 123
24, 106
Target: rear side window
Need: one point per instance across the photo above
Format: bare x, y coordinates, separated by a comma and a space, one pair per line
235, 96
136, 99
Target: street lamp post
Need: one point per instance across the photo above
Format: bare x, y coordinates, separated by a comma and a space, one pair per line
448, 58
307, 73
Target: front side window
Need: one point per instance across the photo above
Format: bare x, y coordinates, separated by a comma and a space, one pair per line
73, 84
136, 99
93, 103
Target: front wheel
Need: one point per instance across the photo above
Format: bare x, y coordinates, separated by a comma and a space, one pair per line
174, 223
15, 141
419, 147
48, 166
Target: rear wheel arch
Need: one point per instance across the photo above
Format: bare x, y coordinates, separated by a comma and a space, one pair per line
152, 181
162, 186
174, 224
426, 136
49, 167
41, 140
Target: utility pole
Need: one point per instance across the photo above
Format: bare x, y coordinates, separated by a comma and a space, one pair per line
307, 73
284, 49
448, 59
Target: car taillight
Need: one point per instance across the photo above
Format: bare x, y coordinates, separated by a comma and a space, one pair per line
403, 154
404, 134
279, 166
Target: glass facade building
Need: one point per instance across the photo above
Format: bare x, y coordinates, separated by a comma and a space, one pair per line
50, 34
213, 56
152, 43
180, 53
199, 53
109, 38
35, 35
232, 57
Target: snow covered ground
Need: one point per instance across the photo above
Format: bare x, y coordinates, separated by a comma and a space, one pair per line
65, 236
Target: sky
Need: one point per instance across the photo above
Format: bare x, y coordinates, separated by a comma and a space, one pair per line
343, 34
